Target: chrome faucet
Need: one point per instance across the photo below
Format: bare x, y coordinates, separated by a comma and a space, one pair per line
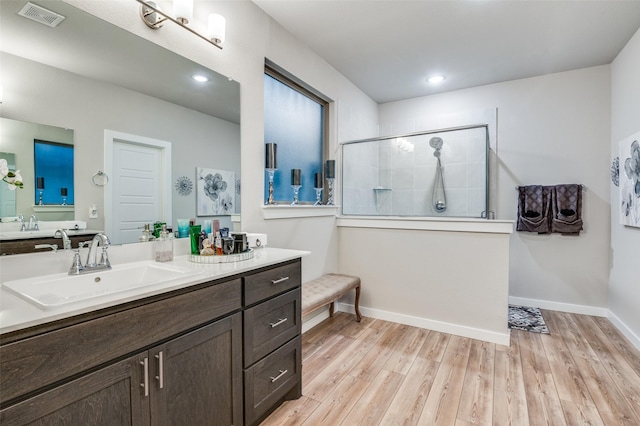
33, 223
66, 241
92, 264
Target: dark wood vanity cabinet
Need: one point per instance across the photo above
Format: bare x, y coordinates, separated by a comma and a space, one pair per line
189, 380
272, 342
178, 359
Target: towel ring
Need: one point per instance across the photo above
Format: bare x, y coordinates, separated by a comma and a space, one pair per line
100, 178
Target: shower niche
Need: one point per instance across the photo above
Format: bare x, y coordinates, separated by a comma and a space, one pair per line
433, 173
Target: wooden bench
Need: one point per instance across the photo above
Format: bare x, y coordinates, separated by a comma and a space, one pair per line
327, 289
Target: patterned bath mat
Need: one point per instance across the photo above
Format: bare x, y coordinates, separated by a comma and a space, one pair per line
528, 319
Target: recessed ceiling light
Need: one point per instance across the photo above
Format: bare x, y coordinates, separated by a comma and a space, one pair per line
200, 78
435, 79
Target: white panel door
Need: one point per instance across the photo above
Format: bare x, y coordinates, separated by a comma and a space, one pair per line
139, 187
136, 189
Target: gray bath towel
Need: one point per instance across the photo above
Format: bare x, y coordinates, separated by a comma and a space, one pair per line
566, 209
533, 209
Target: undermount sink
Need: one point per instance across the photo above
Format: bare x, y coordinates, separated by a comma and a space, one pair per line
57, 290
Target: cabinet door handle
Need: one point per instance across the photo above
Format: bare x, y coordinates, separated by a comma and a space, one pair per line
282, 373
145, 384
277, 323
279, 280
160, 376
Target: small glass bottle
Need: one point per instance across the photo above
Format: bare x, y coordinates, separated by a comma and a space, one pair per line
146, 234
164, 246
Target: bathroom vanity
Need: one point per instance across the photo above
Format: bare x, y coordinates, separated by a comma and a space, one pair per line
223, 348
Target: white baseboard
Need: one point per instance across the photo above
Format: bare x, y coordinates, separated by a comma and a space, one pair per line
624, 329
315, 320
459, 330
489, 336
559, 306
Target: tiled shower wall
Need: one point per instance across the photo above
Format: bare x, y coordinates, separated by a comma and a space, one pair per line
395, 177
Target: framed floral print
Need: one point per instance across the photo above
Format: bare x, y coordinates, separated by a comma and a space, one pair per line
215, 192
629, 178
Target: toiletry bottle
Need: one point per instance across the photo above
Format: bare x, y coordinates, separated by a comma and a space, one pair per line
164, 246
194, 235
146, 234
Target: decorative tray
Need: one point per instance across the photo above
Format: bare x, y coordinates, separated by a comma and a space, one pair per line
225, 258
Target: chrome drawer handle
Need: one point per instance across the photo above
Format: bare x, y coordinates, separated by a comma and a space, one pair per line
160, 376
275, 324
279, 280
145, 385
282, 373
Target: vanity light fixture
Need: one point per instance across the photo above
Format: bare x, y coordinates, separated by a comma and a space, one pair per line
154, 17
435, 79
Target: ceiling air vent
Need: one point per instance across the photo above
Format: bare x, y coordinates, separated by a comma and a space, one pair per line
41, 15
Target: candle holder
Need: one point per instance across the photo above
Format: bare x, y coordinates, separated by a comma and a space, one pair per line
63, 194
272, 173
64, 201
296, 189
318, 197
40, 203
330, 182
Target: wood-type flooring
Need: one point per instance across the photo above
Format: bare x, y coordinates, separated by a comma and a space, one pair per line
381, 373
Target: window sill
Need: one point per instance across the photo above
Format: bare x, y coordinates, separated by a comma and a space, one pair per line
290, 212
53, 208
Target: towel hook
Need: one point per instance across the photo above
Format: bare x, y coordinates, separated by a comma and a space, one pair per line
100, 178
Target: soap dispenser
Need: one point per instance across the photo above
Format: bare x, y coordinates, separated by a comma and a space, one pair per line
146, 234
164, 246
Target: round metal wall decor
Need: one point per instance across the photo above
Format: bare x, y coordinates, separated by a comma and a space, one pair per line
184, 186
615, 171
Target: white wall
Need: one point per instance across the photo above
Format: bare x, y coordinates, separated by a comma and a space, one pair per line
445, 280
252, 36
624, 284
551, 129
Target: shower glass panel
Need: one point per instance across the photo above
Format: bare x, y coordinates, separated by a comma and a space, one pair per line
433, 173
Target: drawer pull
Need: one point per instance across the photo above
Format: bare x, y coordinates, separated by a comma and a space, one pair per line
275, 324
160, 376
282, 373
279, 280
145, 385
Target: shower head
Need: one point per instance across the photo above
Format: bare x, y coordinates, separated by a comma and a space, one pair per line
435, 142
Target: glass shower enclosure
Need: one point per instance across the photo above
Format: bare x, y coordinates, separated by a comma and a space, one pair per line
425, 174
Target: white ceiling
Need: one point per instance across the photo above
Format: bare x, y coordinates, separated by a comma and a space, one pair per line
388, 47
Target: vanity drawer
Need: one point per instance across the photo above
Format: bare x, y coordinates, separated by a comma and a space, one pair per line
271, 324
271, 379
269, 283
32, 363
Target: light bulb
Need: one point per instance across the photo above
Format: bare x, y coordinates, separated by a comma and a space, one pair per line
217, 28
183, 10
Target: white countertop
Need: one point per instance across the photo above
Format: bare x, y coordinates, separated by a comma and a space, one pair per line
16, 313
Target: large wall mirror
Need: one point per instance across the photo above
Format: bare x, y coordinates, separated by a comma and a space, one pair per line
89, 77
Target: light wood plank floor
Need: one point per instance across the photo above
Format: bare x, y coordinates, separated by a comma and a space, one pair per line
381, 373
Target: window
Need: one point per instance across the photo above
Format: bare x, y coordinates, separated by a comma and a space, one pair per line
295, 120
53, 173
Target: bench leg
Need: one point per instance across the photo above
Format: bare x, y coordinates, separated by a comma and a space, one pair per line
357, 304
331, 307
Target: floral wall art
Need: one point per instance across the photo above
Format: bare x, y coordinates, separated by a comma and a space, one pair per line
630, 180
215, 195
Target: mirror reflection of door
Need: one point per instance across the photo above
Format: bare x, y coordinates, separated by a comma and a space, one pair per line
138, 191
